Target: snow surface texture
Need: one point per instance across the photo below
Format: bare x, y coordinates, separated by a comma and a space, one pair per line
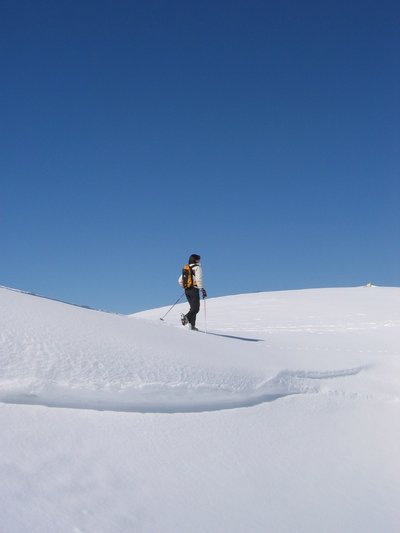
283, 417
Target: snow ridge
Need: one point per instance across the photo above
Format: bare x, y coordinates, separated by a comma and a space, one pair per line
178, 397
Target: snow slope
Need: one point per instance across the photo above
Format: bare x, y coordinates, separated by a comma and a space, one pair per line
284, 417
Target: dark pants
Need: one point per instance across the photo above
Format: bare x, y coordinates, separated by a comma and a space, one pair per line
193, 297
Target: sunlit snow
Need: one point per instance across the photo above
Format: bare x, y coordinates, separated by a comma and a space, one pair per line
282, 415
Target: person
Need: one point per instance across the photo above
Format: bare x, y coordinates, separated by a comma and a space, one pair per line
193, 294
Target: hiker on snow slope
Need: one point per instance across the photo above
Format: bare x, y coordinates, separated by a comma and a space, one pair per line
191, 280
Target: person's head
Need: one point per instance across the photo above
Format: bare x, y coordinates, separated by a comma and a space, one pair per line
194, 258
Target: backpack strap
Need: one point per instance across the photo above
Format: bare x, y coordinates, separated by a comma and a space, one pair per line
194, 283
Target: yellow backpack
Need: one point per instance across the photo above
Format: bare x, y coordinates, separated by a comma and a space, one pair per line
187, 277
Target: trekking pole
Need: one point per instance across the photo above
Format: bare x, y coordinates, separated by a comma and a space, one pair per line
180, 298
205, 315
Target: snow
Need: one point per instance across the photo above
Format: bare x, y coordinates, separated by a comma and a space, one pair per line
283, 417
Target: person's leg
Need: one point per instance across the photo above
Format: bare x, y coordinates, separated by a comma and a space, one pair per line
193, 297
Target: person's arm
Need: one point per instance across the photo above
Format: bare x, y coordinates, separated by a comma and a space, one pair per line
198, 274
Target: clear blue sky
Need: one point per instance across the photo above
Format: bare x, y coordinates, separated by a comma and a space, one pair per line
263, 136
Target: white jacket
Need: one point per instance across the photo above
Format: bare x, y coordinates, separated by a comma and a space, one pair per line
197, 276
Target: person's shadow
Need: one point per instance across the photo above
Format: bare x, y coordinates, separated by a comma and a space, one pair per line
234, 337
